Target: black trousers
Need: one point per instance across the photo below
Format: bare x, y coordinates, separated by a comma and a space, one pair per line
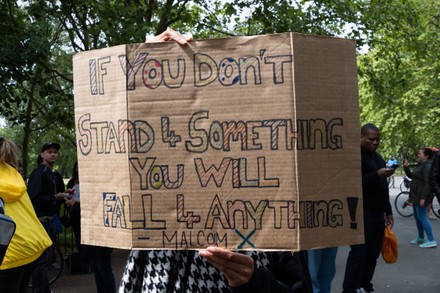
16, 280
362, 259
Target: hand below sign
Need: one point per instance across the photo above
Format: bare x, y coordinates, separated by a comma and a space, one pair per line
238, 268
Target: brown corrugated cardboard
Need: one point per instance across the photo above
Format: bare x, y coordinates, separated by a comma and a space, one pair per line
247, 143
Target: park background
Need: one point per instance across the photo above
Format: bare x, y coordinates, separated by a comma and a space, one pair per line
397, 44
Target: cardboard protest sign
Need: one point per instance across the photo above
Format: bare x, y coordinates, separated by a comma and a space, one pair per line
246, 143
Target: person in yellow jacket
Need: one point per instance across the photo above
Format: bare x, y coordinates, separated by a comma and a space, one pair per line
30, 239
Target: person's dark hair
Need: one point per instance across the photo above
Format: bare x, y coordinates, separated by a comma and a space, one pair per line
428, 152
75, 174
8, 152
367, 127
39, 160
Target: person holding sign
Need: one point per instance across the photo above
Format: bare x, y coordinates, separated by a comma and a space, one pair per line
170, 35
213, 269
30, 239
362, 258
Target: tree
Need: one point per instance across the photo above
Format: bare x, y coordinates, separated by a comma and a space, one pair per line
35, 83
399, 76
40, 37
319, 17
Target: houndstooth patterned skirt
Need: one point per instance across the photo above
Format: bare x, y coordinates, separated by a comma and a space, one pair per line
172, 271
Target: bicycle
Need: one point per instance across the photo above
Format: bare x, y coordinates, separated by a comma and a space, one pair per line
435, 207
405, 208
402, 205
55, 265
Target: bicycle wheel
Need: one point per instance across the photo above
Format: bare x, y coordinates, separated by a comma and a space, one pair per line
435, 207
402, 186
55, 266
402, 206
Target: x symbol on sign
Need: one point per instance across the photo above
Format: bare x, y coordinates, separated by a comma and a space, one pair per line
245, 239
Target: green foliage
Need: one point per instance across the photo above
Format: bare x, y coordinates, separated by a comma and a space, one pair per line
398, 75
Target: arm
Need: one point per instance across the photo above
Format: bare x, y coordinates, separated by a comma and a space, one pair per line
407, 171
385, 172
389, 219
374, 169
70, 202
35, 185
406, 168
287, 275
426, 191
373, 176
170, 35
238, 268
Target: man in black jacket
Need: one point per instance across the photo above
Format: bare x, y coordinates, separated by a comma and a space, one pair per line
46, 192
361, 261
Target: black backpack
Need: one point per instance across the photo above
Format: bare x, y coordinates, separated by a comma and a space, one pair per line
7, 230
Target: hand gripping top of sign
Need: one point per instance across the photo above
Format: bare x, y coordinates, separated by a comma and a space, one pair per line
168, 36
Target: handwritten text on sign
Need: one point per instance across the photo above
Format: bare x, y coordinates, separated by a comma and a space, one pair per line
209, 162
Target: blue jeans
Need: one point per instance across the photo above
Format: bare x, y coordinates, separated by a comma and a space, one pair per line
422, 222
322, 268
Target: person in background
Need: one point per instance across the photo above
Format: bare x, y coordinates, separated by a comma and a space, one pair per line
322, 268
73, 204
391, 163
46, 196
420, 196
30, 239
362, 258
434, 176
75, 177
100, 257
213, 269
20, 169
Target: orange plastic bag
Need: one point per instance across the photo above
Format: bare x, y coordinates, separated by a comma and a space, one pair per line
390, 245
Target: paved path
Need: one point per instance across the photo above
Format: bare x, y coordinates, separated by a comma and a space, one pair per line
417, 270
